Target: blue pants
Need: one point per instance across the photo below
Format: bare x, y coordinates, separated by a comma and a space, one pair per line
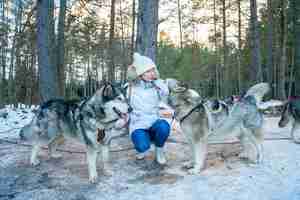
158, 133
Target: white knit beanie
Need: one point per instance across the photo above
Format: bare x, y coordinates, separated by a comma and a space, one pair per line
142, 63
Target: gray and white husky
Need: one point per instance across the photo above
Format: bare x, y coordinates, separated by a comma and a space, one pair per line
200, 121
90, 122
291, 112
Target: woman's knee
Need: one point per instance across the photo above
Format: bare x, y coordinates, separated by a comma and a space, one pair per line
161, 133
141, 140
162, 128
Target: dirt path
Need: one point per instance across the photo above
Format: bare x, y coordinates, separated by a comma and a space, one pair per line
225, 176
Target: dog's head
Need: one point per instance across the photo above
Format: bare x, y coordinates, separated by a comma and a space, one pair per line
285, 116
109, 104
291, 111
183, 100
216, 106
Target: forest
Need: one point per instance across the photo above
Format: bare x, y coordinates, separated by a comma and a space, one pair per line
68, 48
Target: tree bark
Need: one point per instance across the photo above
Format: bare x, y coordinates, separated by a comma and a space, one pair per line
239, 88
180, 24
270, 45
47, 72
3, 50
295, 5
216, 52
111, 74
256, 68
60, 48
146, 40
283, 60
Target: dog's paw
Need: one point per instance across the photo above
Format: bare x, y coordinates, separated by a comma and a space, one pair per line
35, 162
188, 165
259, 160
244, 155
194, 171
55, 155
107, 172
93, 179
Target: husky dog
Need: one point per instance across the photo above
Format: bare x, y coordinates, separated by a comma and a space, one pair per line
89, 122
291, 112
218, 110
197, 121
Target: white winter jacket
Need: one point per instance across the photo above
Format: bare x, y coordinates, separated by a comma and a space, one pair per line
146, 100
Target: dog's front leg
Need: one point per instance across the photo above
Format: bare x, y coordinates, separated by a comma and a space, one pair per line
52, 146
34, 153
295, 132
244, 154
105, 159
199, 156
92, 161
256, 139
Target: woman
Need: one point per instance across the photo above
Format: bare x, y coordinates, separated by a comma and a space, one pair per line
146, 92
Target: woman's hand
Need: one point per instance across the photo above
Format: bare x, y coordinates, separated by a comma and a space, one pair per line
165, 113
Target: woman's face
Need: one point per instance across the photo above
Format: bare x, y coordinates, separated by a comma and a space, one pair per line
149, 75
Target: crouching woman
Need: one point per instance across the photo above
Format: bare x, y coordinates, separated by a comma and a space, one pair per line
146, 93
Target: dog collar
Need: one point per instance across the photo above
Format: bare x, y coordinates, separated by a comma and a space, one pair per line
191, 111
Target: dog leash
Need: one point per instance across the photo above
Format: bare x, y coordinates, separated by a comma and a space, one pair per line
132, 148
191, 111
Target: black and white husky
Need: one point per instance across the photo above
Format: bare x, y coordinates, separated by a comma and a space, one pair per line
90, 122
291, 112
201, 120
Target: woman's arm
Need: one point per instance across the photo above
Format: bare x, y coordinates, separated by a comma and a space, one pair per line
162, 88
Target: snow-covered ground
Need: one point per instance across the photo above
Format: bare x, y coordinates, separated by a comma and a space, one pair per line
225, 177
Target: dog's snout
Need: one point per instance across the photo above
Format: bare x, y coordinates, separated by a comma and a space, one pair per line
101, 109
130, 109
21, 134
215, 104
117, 111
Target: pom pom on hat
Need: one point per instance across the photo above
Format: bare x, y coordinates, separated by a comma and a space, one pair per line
142, 63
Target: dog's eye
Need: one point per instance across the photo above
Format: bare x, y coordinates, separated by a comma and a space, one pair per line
120, 98
101, 110
186, 100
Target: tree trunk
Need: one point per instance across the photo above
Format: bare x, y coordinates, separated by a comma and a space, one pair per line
3, 50
283, 60
216, 53
147, 28
270, 44
111, 74
47, 72
239, 87
124, 49
295, 5
225, 56
60, 48
15, 70
133, 29
180, 24
256, 68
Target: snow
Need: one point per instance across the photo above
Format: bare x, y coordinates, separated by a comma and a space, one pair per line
225, 176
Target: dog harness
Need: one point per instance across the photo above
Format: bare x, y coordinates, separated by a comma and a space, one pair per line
197, 107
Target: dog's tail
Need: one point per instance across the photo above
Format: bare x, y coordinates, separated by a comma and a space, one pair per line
240, 115
258, 91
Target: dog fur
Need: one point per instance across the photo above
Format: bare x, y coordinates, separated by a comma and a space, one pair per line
90, 122
198, 122
291, 112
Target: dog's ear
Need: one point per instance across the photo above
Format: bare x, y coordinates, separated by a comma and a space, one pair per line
192, 95
108, 92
